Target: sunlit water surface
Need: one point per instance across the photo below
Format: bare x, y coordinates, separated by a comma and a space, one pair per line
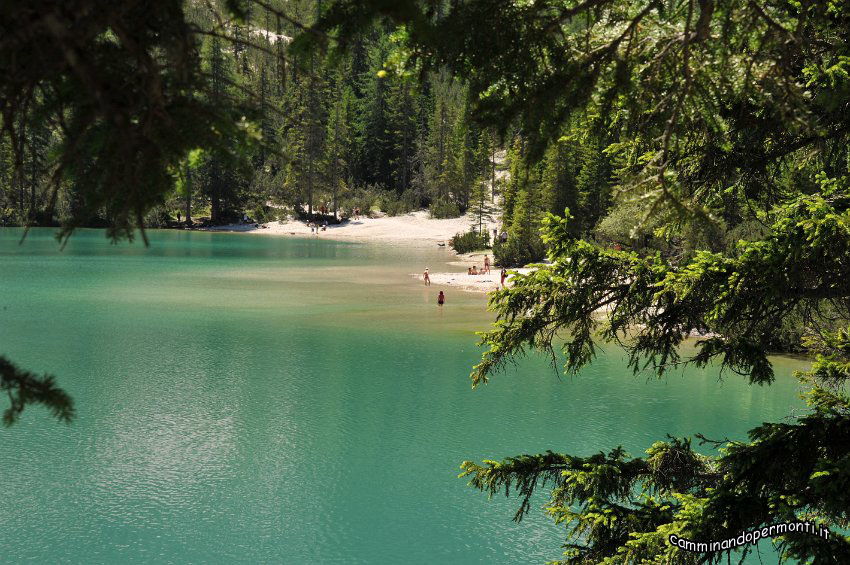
269, 399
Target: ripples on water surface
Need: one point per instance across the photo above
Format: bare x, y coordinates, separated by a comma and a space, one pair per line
261, 399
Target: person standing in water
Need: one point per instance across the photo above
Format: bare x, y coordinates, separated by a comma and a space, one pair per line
487, 264
427, 277
441, 298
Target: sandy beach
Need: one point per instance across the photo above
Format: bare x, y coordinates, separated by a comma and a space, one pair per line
413, 229
472, 283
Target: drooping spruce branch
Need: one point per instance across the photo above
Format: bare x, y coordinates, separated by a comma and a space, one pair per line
736, 302
619, 509
25, 388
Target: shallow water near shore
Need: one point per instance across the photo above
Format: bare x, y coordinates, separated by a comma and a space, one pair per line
265, 399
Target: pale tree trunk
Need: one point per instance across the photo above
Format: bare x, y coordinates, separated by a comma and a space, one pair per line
188, 187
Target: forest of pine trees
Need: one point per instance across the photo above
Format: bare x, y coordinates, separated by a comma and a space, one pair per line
342, 131
345, 130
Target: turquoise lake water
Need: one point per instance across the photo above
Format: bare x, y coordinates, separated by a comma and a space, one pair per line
250, 398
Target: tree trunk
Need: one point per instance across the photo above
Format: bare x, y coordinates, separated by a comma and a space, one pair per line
335, 175
215, 199
493, 171
309, 183
188, 186
19, 166
33, 177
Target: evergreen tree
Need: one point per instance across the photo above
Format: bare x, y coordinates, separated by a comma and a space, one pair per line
709, 99
515, 180
214, 175
486, 159
403, 119
524, 243
338, 139
38, 139
480, 208
594, 182
560, 185
376, 129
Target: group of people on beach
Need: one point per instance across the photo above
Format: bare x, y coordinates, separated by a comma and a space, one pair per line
315, 226
441, 297
473, 270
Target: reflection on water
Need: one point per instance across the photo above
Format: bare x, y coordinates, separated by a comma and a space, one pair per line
251, 398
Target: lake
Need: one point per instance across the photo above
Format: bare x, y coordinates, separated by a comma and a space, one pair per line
252, 398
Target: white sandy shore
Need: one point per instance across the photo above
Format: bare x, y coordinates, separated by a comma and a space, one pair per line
473, 283
414, 229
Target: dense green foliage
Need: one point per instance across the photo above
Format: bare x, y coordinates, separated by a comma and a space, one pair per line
89, 100
259, 125
705, 140
715, 135
470, 241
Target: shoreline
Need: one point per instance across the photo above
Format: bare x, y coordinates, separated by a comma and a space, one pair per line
482, 283
470, 283
414, 229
